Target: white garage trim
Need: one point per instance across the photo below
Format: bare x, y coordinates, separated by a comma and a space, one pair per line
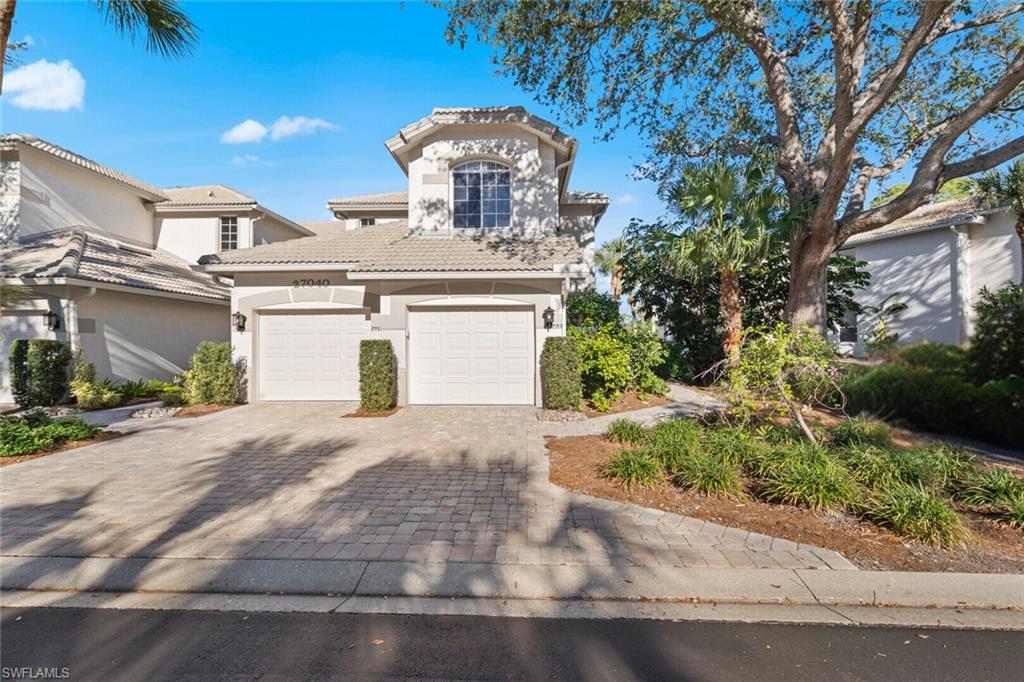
309, 355
461, 355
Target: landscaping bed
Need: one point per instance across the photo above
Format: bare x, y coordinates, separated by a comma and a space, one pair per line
628, 401
990, 545
200, 410
35, 434
361, 413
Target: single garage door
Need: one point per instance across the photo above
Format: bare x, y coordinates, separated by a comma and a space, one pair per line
311, 356
471, 356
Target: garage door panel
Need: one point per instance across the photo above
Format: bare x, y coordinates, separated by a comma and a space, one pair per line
310, 357
475, 356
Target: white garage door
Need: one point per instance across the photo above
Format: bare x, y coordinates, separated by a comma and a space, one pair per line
310, 356
471, 357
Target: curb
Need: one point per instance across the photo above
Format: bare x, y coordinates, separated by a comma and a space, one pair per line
794, 587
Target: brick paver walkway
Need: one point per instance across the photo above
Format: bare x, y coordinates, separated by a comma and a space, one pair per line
278, 480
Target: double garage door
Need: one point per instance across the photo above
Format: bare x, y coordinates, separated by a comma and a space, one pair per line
456, 356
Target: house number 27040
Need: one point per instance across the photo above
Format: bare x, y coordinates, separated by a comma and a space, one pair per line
311, 283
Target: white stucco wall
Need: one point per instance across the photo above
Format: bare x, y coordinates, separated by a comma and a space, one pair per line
10, 195
532, 163
138, 336
57, 195
995, 255
268, 229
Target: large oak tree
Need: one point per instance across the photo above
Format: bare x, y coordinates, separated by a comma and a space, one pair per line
850, 92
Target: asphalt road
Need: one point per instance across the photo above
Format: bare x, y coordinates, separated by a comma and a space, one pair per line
180, 645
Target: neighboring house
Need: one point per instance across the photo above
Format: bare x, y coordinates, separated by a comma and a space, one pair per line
466, 272
935, 260
109, 259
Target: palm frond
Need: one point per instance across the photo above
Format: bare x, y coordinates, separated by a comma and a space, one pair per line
169, 31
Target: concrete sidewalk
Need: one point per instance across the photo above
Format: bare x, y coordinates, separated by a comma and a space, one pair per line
794, 587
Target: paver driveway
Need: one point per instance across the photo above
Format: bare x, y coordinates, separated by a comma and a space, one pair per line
294, 480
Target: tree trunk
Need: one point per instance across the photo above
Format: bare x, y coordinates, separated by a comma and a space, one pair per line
616, 283
732, 312
6, 19
808, 285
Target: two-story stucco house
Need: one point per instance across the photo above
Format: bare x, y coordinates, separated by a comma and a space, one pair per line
935, 261
109, 259
465, 272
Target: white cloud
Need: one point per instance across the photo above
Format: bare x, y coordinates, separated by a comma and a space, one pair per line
627, 199
246, 131
250, 160
46, 86
286, 126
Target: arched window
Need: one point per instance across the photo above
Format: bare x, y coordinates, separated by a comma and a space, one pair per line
483, 192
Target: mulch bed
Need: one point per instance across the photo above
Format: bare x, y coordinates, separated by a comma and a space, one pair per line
576, 464
190, 411
66, 445
363, 413
629, 401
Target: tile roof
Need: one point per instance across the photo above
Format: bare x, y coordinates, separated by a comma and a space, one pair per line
389, 247
378, 198
79, 160
79, 254
205, 195
953, 212
323, 228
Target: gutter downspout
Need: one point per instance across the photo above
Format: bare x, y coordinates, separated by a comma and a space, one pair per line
71, 318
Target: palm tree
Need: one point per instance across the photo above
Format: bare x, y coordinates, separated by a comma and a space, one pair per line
608, 261
168, 29
728, 209
1005, 189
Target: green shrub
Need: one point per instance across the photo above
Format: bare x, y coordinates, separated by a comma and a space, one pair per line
862, 430
639, 467
35, 431
646, 353
1011, 511
942, 358
675, 366
212, 378
173, 396
675, 441
604, 366
991, 487
930, 400
95, 396
807, 475
627, 431
591, 309
140, 388
378, 375
916, 513
560, 362
710, 474
39, 371
997, 346
999, 410
733, 444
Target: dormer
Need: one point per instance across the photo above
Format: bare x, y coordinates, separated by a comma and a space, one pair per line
496, 169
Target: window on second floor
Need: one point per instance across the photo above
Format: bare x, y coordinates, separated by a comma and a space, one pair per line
483, 192
367, 222
228, 233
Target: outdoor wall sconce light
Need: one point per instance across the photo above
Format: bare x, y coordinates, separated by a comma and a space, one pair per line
549, 317
238, 320
52, 321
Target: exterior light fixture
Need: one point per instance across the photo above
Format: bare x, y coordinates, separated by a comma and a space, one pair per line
549, 317
238, 320
52, 321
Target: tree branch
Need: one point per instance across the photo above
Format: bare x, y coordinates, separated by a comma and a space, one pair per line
988, 20
983, 162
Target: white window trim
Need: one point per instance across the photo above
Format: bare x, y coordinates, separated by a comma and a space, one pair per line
453, 165
220, 233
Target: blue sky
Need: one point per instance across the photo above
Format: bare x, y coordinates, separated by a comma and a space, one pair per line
366, 69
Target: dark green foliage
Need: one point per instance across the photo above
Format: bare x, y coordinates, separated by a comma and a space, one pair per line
733, 444
862, 430
999, 410
916, 513
934, 467
35, 431
604, 365
674, 366
39, 371
212, 378
646, 353
378, 375
710, 474
627, 431
592, 309
941, 358
997, 347
1012, 511
675, 441
639, 467
173, 396
560, 363
991, 487
806, 475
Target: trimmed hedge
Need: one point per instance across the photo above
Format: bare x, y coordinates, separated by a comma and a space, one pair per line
378, 382
212, 378
39, 371
560, 363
